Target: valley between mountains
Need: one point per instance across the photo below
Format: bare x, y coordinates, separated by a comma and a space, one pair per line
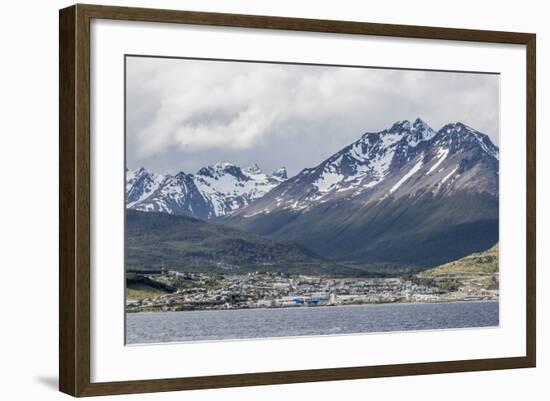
398, 201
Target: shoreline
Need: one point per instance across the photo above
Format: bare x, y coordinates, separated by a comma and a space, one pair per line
317, 307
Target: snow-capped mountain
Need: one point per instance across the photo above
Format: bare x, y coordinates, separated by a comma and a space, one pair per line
406, 159
140, 184
408, 194
212, 192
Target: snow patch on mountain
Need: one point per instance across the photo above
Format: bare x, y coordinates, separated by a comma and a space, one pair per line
449, 175
411, 172
327, 181
441, 155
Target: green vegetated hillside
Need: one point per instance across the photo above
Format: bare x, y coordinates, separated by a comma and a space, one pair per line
138, 286
155, 241
485, 262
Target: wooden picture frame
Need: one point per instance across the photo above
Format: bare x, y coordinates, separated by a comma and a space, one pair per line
74, 199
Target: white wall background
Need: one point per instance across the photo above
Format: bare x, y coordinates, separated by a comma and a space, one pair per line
28, 199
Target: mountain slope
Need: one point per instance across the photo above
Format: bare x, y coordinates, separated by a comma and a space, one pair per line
405, 195
158, 240
213, 191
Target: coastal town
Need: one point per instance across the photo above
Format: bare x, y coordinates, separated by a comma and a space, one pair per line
180, 291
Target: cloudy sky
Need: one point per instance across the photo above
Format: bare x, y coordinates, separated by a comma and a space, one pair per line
185, 114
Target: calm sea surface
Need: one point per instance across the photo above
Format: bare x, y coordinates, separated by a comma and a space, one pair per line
160, 327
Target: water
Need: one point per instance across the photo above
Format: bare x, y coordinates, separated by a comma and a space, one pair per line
158, 327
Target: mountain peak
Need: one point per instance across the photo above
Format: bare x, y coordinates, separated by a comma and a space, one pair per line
140, 170
415, 132
180, 175
403, 125
280, 173
223, 166
254, 169
406, 125
463, 130
420, 124
140, 173
219, 169
461, 133
456, 126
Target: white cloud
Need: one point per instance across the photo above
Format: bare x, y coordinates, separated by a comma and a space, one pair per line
182, 113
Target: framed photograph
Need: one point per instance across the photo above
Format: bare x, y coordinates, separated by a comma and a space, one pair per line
250, 200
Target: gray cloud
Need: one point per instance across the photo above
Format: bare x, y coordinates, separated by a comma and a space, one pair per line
185, 114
